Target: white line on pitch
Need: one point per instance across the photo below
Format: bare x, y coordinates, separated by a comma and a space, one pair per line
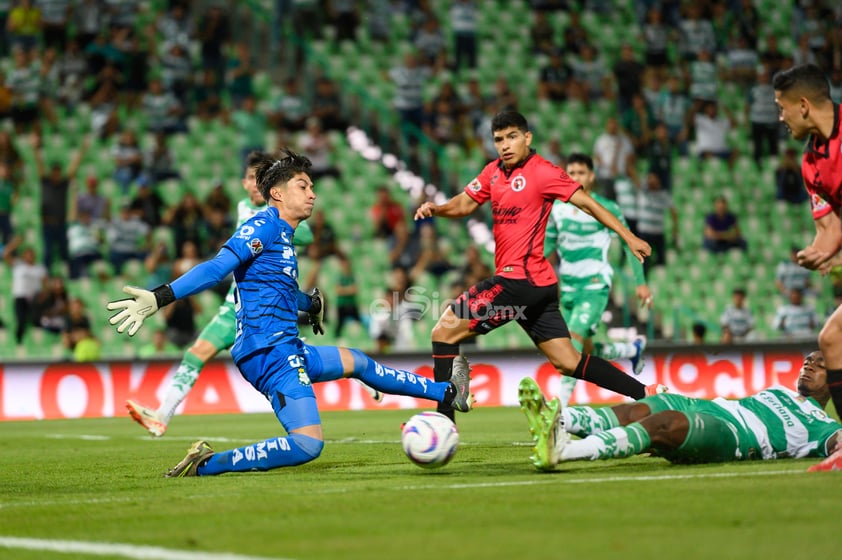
120, 549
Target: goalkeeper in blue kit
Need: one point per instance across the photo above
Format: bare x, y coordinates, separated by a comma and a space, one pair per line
774, 423
267, 348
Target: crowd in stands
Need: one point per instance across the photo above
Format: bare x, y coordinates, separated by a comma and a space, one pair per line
142, 73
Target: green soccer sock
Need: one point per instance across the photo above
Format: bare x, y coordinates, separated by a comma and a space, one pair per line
586, 421
184, 379
614, 350
616, 442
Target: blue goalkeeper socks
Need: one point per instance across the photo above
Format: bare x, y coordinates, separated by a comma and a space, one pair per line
397, 381
272, 453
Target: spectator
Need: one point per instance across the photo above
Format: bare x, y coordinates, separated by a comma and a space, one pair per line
659, 155
84, 238
180, 318
10, 156
8, 198
103, 99
87, 347
128, 237
703, 78
575, 35
327, 105
712, 133
128, 160
638, 121
699, 331
653, 204
177, 72
159, 161
674, 110
290, 109
163, 112
251, 125
28, 279
239, 80
736, 321
175, 25
741, 62
72, 71
542, 34
324, 238
218, 199
76, 325
445, 121
347, 308
656, 37
431, 46
430, 257
628, 74
147, 203
473, 268
89, 17
50, 305
803, 54
55, 15
789, 185
24, 26
188, 257
771, 56
25, 82
555, 78
614, 157
697, 33
159, 346
464, 18
318, 147
789, 275
762, 113
207, 103
796, 319
92, 201
123, 13
722, 232
344, 19
382, 327
135, 69
747, 21
626, 194
591, 74
409, 80
55, 187
186, 220
214, 34
158, 265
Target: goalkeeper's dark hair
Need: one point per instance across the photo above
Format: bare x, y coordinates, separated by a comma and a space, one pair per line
583, 159
505, 119
274, 172
808, 79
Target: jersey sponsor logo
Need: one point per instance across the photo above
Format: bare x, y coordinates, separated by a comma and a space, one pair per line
245, 232
475, 185
256, 246
519, 183
505, 214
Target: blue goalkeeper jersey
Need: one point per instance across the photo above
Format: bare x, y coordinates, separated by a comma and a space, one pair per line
267, 299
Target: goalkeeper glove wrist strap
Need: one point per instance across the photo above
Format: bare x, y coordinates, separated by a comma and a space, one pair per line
315, 303
164, 295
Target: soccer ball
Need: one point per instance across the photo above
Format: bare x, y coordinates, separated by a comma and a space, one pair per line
429, 439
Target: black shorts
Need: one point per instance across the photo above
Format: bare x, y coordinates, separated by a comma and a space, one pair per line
497, 300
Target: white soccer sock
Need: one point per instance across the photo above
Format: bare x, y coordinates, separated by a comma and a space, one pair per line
616, 442
584, 421
184, 379
615, 350
565, 391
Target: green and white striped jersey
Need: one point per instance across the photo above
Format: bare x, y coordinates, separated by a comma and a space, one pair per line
582, 244
785, 423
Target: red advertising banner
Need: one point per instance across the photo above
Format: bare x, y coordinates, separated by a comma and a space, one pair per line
67, 390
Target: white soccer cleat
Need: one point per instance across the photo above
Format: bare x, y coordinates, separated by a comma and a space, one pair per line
146, 417
374, 393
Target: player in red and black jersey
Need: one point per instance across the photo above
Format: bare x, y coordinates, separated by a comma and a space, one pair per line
522, 187
802, 94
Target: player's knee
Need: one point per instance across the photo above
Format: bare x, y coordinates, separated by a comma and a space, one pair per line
310, 447
360, 361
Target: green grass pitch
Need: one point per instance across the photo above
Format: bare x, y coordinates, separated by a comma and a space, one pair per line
99, 481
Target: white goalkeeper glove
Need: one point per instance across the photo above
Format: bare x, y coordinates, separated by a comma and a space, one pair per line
143, 303
317, 311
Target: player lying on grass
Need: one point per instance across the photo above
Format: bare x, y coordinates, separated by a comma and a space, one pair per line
219, 333
772, 424
267, 349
